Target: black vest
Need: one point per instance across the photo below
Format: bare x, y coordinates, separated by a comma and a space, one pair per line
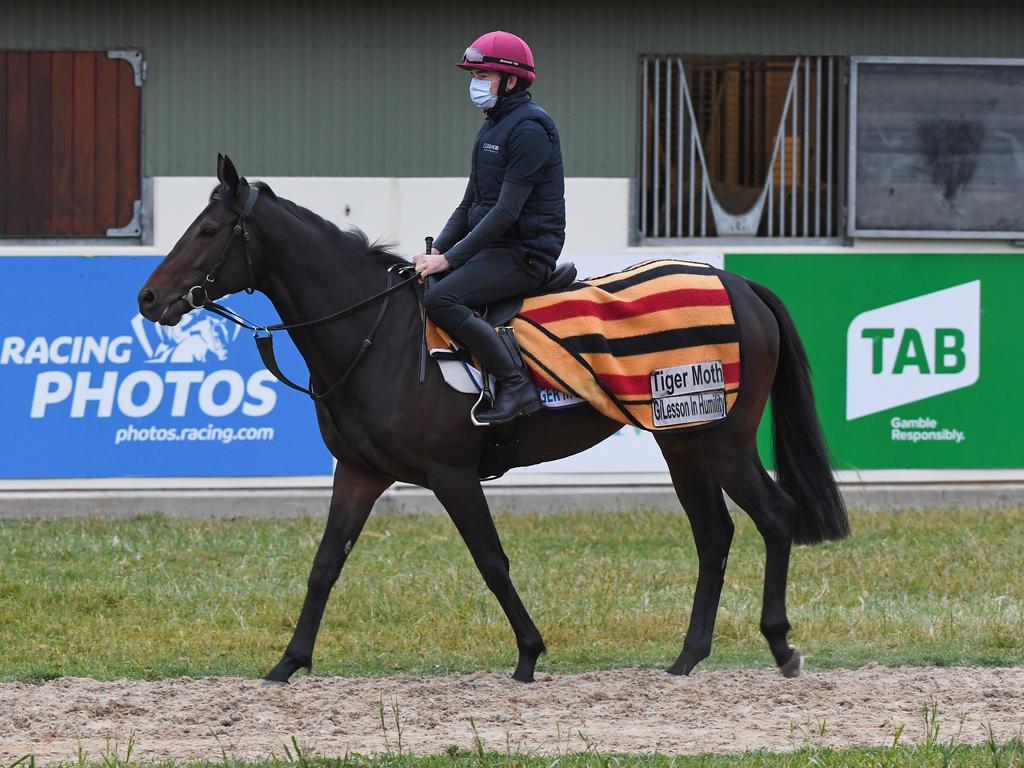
540, 227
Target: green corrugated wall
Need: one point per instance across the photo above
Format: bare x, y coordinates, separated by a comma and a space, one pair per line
368, 89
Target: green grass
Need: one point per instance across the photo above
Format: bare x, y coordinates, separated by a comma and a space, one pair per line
156, 597
929, 755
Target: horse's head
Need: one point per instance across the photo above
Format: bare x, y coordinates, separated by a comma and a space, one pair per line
210, 259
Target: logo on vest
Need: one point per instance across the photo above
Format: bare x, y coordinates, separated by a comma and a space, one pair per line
490, 148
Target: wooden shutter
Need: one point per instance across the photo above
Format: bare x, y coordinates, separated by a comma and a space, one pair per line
70, 143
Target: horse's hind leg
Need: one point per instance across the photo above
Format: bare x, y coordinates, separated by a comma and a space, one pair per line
773, 512
712, 528
355, 491
463, 498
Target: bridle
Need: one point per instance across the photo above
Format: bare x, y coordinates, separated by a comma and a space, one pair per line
238, 230
197, 297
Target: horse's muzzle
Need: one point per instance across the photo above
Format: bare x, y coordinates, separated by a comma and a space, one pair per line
167, 310
148, 304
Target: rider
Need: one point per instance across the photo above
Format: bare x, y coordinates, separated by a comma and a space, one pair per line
505, 236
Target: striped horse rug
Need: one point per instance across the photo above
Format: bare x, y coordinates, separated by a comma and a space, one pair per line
654, 346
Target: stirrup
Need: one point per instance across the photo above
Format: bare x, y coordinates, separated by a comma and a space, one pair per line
486, 396
526, 410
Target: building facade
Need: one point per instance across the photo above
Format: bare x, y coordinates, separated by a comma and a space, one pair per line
865, 161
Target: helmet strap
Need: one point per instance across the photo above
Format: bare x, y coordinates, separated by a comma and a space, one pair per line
503, 85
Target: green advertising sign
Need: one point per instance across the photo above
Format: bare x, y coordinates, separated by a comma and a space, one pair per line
915, 357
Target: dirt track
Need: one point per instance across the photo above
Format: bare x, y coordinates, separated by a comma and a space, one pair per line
620, 711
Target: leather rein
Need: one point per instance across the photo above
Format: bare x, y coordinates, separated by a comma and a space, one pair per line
197, 297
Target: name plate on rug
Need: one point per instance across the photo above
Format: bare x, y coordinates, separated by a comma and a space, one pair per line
688, 393
552, 398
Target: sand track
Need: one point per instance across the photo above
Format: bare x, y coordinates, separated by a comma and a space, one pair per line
616, 711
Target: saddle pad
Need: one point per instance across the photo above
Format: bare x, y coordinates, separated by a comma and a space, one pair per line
655, 346
464, 376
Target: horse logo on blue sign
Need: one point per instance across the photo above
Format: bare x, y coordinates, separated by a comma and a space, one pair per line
190, 341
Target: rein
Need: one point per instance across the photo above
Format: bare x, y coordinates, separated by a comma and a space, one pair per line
263, 335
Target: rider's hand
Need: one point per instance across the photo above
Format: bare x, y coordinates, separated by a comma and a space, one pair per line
416, 259
430, 264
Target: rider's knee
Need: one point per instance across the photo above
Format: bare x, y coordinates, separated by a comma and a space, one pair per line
444, 309
434, 300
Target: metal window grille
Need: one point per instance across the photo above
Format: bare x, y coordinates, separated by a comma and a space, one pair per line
746, 148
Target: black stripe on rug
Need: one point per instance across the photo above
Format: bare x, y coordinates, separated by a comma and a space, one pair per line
653, 274
662, 341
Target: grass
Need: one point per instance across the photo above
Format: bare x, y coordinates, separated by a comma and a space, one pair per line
931, 754
156, 597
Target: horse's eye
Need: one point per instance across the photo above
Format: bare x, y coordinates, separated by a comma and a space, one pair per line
208, 231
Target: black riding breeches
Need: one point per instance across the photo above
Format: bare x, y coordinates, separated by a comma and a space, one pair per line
494, 273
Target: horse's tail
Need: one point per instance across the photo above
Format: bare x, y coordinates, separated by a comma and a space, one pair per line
801, 456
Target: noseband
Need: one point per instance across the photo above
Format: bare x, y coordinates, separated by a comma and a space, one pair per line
197, 296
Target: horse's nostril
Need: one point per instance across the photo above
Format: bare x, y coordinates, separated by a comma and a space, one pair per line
146, 297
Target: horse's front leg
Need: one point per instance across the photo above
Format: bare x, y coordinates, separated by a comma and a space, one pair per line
355, 491
460, 493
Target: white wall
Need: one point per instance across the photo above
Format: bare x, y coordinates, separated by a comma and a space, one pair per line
402, 211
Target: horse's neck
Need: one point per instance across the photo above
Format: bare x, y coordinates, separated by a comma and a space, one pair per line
305, 280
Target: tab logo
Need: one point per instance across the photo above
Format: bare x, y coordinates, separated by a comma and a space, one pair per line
913, 350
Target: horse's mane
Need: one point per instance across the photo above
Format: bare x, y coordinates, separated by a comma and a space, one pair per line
347, 242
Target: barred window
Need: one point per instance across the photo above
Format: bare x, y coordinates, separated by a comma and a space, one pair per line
70, 144
740, 147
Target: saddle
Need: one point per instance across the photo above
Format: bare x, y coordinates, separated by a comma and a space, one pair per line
502, 311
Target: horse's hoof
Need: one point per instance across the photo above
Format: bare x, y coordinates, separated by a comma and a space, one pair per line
680, 669
794, 666
524, 676
684, 664
283, 671
266, 682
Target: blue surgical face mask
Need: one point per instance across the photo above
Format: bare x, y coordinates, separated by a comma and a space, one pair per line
480, 93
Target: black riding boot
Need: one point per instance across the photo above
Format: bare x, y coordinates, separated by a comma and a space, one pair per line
516, 393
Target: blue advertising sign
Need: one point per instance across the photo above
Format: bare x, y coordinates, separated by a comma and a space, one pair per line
90, 388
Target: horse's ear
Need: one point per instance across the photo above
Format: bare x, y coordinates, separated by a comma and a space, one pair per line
226, 172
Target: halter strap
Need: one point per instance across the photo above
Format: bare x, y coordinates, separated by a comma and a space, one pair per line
265, 346
244, 211
263, 335
198, 295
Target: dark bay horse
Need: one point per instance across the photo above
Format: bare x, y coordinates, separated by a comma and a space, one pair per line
383, 426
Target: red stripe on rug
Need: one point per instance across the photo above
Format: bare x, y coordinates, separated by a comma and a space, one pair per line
540, 379
627, 385
620, 310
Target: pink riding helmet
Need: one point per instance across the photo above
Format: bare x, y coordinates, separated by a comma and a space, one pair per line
500, 52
